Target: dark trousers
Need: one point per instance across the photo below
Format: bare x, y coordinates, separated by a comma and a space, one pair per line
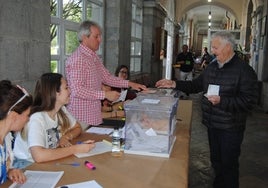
225, 148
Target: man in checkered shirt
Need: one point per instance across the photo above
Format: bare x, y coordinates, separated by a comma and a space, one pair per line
86, 73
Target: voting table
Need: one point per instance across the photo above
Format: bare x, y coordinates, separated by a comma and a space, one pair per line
130, 170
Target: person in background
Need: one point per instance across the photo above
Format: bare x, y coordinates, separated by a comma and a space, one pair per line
86, 73
206, 58
110, 109
122, 71
51, 128
15, 105
230, 88
186, 61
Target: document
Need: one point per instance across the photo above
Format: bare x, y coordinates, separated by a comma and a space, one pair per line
122, 97
86, 184
40, 179
213, 89
100, 130
100, 147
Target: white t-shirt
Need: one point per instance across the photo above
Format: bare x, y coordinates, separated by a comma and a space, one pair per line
42, 131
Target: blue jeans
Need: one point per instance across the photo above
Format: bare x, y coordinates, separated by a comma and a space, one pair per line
21, 163
225, 149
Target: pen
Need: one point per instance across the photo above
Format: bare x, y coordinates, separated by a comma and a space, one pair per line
90, 165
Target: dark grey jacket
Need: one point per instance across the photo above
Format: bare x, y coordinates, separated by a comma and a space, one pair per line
238, 91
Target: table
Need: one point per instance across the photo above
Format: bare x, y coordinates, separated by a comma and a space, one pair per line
129, 170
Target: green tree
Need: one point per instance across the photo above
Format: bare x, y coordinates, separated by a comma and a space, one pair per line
71, 10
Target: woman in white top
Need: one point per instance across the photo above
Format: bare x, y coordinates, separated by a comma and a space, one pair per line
15, 105
51, 127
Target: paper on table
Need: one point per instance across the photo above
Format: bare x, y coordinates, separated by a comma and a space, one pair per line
86, 184
40, 179
122, 97
100, 130
100, 147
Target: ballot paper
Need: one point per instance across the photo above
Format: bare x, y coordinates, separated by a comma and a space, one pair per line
100, 130
86, 184
122, 97
40, 179
100, 147
213, 89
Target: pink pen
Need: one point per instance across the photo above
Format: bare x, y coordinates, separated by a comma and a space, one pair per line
90, 165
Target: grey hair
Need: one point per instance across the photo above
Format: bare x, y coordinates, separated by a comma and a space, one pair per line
226, 36
85, 29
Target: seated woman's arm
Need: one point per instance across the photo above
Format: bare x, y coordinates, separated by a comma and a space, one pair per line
72, 133
41, 154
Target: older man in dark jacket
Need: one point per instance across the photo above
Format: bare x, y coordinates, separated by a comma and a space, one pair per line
230, 92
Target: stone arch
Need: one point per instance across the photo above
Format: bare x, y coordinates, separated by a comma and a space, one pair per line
221, 5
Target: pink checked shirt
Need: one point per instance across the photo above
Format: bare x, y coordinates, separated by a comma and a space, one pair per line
85, 74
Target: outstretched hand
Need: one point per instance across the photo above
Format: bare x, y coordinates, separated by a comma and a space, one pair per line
136, 86
164, 83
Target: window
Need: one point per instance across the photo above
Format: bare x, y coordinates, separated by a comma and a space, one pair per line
66, 15
136, 37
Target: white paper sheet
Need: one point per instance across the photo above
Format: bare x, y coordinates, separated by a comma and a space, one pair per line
86, 184
122, 97
100, 147
100, 130
40, 179
213, 89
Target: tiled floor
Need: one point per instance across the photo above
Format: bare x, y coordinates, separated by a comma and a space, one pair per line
254, 155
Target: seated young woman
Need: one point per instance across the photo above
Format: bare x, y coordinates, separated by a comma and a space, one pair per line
51, 128
15, 105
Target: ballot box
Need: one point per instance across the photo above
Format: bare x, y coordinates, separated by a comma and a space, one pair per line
150, 125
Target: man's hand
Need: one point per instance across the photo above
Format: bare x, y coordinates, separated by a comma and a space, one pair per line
136, 86
214, 99
164, 83
112, 95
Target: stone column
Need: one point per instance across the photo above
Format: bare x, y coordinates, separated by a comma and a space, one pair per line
24, 41
153, 22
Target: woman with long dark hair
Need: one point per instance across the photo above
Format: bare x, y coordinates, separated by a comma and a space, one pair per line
15, 105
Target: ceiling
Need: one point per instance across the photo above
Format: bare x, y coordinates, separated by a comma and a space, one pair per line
199, 15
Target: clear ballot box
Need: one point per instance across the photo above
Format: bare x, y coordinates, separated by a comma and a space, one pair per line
150, 125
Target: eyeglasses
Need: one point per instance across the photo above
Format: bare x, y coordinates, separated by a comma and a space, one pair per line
26, 94
123, 72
